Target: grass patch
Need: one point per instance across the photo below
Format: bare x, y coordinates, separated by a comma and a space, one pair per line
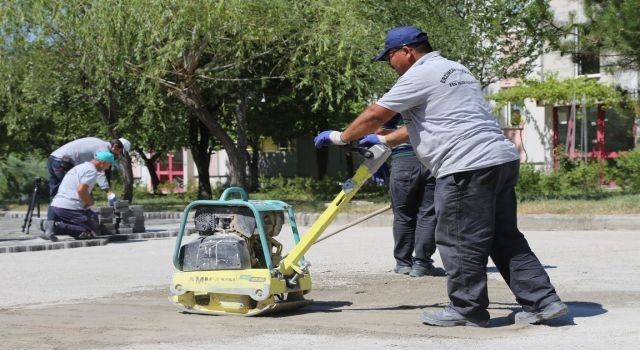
606, 205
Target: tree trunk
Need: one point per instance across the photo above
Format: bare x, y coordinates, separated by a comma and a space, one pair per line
109, 110
254, 165
241, 132
192, 98
199, 145
150, 164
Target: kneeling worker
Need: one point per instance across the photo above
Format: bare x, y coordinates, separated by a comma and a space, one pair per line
71, 207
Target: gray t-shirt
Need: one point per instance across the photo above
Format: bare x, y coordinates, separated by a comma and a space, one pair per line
67, 196
449, 122
83, 150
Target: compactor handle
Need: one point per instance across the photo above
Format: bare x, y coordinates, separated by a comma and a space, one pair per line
238, 190
363, 151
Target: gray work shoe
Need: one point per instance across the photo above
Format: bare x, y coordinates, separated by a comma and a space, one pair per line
48, 233
403, 270
448, 317
428, 270
551, 311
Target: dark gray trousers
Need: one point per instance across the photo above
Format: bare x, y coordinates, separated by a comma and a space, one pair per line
414, 221
476, 219
74, 222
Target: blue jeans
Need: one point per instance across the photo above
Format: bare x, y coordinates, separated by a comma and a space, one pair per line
477, 219
414, 222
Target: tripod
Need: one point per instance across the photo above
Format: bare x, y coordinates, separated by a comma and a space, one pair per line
33, 203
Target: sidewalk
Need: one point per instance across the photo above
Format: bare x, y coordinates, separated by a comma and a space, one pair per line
166, 224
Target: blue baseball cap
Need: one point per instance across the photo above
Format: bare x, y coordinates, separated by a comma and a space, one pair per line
399, 37
106, 157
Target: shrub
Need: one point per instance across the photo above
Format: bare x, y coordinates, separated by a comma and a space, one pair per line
584, 179
17, 176
307, 188
529, 183
551, 185
626, 172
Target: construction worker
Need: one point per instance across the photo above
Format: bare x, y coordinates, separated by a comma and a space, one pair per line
72, 207
411, 188
80, 151
450, 126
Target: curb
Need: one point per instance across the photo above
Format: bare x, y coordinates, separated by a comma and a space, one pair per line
19, 248
527, 222
147, 215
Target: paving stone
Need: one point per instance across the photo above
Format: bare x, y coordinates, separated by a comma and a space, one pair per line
108, 229
125, 230
3, 250
37, 247
138, 229
55, 246
73, 244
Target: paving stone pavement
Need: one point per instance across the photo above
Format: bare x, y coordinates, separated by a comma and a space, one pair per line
166, 224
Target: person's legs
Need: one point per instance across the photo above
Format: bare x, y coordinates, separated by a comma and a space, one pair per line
425, 231
72, 222
511, 253
56, 174
465, 207
404, 202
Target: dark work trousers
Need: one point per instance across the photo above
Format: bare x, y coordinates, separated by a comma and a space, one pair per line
74, 222
414, 222
56, 174
477, 219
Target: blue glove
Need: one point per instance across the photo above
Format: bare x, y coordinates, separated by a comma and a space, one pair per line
369, 140
328, 137
111, 199
381, 174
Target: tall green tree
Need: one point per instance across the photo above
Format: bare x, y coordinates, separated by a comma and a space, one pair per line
72, 79
495, 39
614, 31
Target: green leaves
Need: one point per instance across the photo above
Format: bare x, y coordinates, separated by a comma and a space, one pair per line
553, 91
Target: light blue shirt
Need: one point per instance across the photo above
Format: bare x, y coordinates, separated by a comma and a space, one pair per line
449, 122
67, 196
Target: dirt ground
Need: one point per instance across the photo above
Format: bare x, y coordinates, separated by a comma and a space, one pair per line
358, 301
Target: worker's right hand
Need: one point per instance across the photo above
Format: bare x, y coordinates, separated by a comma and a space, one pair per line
327, 138
111, 199
381, 175
369, 140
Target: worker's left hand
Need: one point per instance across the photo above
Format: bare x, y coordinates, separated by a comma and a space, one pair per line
369, 140
327, 138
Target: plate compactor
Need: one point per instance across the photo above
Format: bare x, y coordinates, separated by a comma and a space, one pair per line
236, 267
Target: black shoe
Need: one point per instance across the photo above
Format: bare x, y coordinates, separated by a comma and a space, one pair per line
48, 232
428, 270
551, 311
448, 317
403, 270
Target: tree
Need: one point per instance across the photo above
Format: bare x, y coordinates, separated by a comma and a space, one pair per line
614, 31
73, 68
214, 57
495, 39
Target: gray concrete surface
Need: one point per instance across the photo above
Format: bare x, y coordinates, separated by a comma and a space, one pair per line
596, 272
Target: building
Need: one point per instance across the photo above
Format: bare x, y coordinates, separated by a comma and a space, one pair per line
544, 128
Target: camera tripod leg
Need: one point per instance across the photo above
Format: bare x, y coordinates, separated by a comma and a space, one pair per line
32, 205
